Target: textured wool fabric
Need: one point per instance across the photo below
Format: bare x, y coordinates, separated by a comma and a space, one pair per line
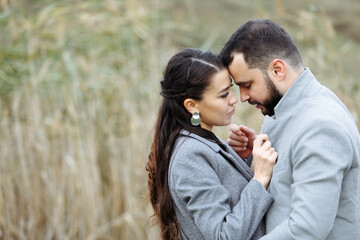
213, 192
316, 181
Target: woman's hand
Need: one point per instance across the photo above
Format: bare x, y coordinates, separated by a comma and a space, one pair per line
241, 140
264, 159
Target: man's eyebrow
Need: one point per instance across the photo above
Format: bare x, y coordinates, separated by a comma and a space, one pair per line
238, 83
242, 83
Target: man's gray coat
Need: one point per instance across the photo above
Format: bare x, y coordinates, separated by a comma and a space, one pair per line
316, 181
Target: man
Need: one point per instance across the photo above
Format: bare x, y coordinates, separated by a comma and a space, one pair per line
316, 181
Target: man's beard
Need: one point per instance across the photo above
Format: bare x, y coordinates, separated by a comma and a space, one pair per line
273, 97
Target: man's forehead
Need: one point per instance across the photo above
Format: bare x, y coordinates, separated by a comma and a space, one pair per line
238, 64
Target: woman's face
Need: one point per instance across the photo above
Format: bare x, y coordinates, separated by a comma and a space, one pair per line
218, 103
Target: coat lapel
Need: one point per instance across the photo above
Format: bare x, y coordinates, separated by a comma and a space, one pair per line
230, 156
239, 163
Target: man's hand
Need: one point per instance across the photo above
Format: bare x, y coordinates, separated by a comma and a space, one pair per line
241, 140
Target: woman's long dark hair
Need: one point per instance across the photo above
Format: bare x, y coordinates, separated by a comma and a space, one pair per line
187, 75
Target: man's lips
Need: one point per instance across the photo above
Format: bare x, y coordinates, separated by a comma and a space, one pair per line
257, 105
252, 103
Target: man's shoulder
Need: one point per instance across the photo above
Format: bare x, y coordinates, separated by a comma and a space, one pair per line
323, 106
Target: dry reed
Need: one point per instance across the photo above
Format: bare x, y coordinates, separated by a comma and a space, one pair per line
78, 98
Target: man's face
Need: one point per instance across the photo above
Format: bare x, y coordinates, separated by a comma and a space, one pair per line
255, 87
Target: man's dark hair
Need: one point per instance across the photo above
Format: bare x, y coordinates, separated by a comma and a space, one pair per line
261, 41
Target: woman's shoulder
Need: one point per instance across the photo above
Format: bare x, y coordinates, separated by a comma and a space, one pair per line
192, 153
191, 148
191, 142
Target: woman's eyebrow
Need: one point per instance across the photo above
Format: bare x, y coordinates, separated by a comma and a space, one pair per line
224, 89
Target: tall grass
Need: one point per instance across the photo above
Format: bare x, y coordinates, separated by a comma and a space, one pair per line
79, 91
76, 82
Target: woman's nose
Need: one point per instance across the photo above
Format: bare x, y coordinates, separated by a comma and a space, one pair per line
233, 99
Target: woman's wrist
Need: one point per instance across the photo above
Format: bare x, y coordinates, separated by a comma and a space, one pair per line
263, 180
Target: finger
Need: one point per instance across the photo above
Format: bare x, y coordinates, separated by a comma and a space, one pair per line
235, 129
239, 149
273, 157
238, 138
234, 143
247, 130
258, 142
266, 146
271, 150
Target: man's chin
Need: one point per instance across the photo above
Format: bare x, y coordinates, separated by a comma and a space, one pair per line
265, 111
262, 108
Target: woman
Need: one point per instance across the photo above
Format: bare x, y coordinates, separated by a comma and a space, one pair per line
199, 187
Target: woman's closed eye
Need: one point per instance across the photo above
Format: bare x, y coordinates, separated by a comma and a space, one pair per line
227, 92
225, 95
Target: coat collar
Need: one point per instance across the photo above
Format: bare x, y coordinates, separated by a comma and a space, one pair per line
214, 146
305, 85
231, 155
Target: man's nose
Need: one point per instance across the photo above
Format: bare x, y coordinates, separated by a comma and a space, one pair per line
244, 96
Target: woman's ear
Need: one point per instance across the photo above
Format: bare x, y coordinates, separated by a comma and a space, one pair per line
278, 69
191, 105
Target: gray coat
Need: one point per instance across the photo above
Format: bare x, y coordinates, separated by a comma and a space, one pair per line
213, 193
316, 181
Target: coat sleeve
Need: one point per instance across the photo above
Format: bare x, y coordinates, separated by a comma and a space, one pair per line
321, 158
197, 184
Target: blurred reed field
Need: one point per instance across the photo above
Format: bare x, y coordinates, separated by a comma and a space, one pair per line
76, 81
79, 94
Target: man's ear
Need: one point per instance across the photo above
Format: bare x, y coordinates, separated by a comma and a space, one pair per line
191, 105
278, 69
